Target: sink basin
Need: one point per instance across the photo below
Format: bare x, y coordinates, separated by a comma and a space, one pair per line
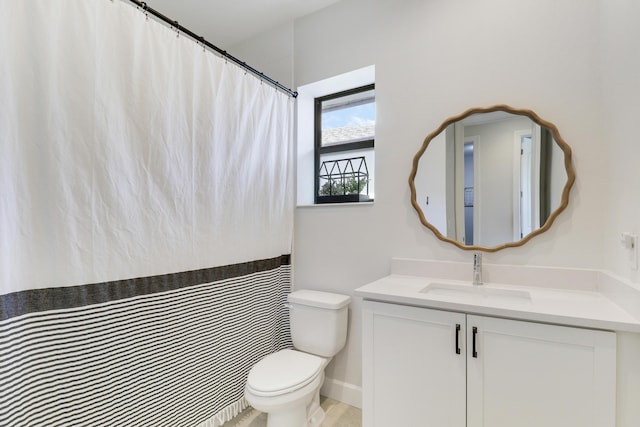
456, 290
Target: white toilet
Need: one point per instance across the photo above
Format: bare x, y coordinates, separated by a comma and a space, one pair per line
286, 385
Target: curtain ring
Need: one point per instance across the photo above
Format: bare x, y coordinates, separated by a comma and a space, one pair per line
144, 7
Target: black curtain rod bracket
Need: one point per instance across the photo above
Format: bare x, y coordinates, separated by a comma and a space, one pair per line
223, 53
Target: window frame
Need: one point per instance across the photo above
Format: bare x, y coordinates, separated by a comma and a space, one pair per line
319, 150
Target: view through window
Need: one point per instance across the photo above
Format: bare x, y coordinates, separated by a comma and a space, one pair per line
344, 146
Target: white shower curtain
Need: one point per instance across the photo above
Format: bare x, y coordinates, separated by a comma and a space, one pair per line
130, 155
127, 150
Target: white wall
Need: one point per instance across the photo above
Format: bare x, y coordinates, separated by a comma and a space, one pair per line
621, 95
437, 58
620, 44
271, 53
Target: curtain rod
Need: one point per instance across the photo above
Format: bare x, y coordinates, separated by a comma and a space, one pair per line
223, 53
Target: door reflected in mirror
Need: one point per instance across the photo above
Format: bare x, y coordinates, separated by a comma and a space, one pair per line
491, 178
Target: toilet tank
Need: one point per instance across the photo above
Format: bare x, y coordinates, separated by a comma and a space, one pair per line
318, 321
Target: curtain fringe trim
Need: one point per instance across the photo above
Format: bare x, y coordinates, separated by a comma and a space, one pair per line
226, 414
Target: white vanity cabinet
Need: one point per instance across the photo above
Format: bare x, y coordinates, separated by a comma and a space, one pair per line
426, 367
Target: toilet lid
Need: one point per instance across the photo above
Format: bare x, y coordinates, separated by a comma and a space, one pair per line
284, 371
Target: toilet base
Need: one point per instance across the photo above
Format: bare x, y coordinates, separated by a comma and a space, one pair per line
316, 417
292, 418
310, 415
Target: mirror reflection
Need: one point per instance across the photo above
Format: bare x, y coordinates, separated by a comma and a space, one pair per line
491, 178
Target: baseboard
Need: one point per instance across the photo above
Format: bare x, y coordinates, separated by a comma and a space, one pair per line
342, 392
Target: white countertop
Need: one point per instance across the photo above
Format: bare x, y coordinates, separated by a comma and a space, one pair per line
581, 308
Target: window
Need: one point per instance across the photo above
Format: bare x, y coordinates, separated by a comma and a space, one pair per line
306, 169
344, 134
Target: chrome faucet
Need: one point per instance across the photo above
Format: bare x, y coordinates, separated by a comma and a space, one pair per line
477, 269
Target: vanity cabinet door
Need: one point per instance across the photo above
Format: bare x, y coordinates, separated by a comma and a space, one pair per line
531, 375
413, 371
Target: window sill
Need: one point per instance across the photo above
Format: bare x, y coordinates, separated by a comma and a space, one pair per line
327, 205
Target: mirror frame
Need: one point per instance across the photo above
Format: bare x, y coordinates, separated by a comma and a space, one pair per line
571, 175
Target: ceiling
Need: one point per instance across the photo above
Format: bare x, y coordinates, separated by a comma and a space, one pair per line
227, 22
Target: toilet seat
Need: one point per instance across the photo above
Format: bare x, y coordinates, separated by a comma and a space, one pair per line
283, 372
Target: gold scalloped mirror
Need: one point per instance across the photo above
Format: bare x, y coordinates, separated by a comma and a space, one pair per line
491, 178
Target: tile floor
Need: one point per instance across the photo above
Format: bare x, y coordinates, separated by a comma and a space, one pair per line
337, 414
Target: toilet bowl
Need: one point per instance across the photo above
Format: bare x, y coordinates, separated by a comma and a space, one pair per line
286, 384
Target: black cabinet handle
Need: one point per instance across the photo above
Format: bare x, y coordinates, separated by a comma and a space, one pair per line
475, 332
457, 338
